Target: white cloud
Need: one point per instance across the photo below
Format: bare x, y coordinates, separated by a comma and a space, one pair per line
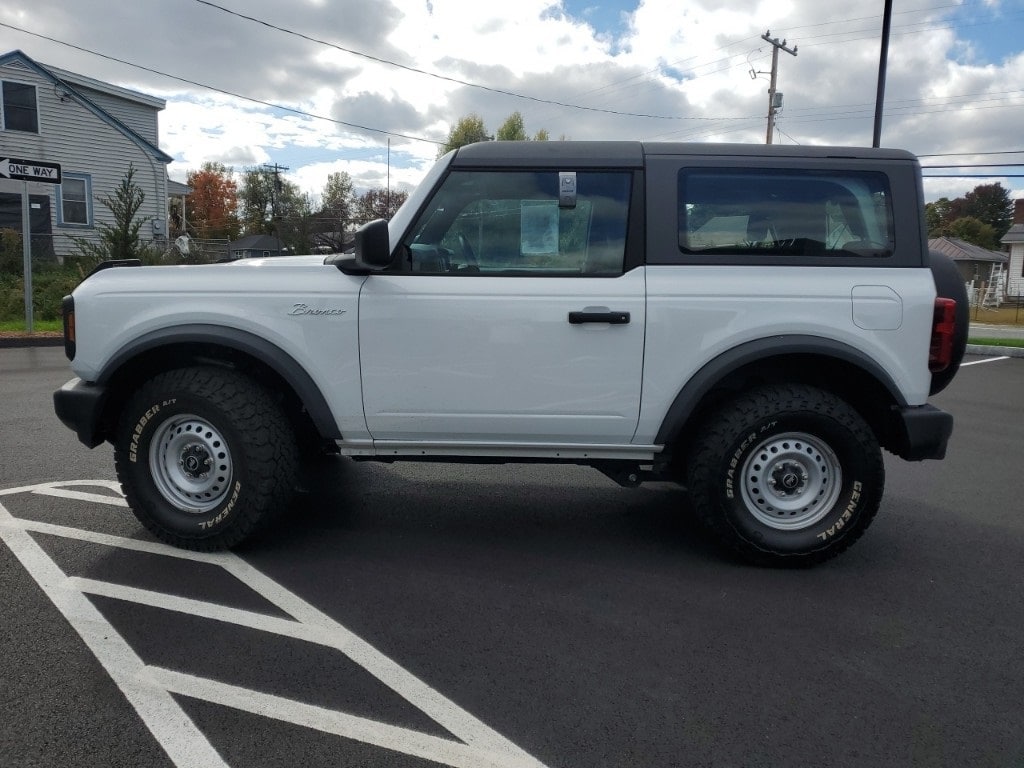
687, 59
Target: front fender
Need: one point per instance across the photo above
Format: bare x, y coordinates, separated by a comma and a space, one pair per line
240, 341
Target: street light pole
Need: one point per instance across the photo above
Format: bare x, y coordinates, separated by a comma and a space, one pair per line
882, 64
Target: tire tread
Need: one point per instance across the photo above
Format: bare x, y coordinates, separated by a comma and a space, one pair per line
268, 442
720, 430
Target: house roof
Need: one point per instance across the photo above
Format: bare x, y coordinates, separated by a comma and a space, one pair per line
257, 243
1015, 235
177, 189
960, 250
109, 88
56, 76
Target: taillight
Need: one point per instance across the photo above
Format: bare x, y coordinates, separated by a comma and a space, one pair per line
67, 307
940, 354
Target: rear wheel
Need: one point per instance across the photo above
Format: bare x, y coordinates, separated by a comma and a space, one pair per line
204, 456
786, 475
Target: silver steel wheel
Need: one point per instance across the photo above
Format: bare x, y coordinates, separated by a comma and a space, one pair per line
791, 481
190, 463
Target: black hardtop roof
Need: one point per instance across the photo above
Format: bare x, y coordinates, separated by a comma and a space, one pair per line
605, 154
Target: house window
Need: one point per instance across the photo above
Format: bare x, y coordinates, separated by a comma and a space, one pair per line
19, 111
74, 199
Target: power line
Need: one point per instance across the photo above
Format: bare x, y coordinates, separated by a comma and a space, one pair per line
973, 175
220, 90
979, 165
925, 27
303, 113
963, 154
446, 78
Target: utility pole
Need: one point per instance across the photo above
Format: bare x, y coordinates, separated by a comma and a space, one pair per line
275, 188
773, 107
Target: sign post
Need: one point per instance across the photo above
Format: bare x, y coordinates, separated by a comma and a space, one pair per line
26, 171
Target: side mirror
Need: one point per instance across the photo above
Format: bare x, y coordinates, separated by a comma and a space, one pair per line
373, 246
372, 251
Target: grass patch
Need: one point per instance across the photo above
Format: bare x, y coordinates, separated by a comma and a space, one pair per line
990, 342
18, 326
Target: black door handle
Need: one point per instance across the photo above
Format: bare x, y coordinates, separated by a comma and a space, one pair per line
613, 318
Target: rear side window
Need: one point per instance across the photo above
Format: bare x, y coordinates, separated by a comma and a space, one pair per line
523, 222
785, 213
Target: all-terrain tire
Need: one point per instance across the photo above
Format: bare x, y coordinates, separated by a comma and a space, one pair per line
786, 475
204, 456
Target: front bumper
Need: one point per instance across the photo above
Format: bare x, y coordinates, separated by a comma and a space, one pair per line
921, 432
79, 405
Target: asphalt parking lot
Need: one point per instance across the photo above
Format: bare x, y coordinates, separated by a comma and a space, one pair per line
423, 615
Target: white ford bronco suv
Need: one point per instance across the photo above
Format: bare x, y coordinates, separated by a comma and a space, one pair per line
753, 322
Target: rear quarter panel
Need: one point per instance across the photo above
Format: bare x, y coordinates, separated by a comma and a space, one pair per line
697, 313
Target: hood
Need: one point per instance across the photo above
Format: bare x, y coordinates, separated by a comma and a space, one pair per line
279, 261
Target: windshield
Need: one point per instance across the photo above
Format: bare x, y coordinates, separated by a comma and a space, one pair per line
403, 216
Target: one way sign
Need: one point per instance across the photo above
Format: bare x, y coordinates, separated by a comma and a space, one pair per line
30, 170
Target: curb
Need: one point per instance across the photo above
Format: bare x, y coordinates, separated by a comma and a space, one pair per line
978, 349
31, 341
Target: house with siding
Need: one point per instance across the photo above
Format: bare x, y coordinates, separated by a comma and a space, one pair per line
94, 130
1014, 240
255, 246
983, 271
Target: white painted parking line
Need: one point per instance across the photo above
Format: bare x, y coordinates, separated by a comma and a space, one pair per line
986, 360
149, 688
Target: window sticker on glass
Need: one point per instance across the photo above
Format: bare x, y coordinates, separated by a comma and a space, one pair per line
538, 227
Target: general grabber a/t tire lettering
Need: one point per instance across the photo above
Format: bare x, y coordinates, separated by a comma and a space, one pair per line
204, 456
786, 474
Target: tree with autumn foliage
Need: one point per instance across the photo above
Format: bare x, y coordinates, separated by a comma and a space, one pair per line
212, 206
981, 217
379, 203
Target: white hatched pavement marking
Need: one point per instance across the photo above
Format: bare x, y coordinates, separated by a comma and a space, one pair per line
177, 734
148, 688
60, 489
423, 745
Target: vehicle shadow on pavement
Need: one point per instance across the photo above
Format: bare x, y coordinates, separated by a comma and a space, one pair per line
517, 506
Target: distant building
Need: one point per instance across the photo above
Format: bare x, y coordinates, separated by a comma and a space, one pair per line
974, 262
255, 246
984, 271
1014, 240
94, 130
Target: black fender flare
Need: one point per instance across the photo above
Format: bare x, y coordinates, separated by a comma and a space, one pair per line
245, 342
704, 380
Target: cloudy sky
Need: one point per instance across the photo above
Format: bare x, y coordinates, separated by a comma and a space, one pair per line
327, 85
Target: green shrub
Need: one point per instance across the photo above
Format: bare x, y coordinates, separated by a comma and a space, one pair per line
12, 298
50, 285
12, 260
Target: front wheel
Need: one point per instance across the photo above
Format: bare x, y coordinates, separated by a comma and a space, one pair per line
204, 456
786, 475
